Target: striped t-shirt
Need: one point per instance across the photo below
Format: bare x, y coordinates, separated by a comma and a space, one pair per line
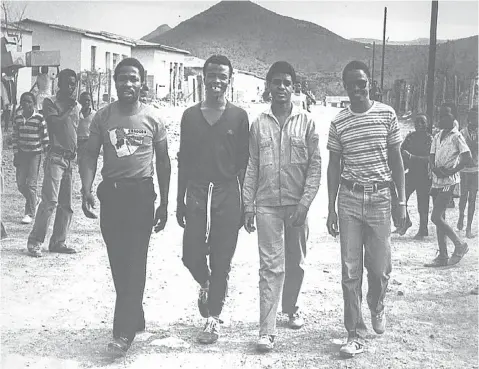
30, 135
363, 139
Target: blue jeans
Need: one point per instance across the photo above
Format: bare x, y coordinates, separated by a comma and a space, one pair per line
27, 177
365, 227
282, 251
56, 193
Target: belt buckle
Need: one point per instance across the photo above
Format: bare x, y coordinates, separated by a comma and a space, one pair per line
369, 188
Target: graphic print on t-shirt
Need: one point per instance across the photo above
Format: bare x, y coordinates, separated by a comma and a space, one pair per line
126, 140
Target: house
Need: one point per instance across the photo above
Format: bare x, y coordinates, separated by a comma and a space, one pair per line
337, 101
247, 87
96, 54
19, 42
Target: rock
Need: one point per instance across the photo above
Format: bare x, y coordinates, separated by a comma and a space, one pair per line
396, 282
400, 293
170, 342
431, 336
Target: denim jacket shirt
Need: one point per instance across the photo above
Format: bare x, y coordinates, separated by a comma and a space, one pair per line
284, 166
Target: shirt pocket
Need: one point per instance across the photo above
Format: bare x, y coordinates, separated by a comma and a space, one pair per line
266, 156
299, 151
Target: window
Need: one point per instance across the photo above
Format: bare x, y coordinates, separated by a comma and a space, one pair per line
93, 58
35, 70
107, 61
115, 60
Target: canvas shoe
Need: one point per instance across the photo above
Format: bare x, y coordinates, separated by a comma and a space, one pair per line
119, 346
352, 348
210, 332
295, 320
265, 343
27, 219
458, 254
438, 261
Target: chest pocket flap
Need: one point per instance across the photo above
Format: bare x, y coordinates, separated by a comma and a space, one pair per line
299, 151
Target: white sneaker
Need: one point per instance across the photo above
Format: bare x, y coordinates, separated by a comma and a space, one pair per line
27, 219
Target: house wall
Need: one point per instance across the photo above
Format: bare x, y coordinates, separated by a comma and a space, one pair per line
102, 47
24, 74
247, 88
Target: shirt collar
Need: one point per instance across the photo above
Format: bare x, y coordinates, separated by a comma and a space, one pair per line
296, 110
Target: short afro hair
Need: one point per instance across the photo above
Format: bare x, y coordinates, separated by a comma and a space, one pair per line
356, 65
66, 73
220, 60
281, 67
130, 62
34, 99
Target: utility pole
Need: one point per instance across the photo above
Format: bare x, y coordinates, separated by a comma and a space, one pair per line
372, 71
432, 64
384, 48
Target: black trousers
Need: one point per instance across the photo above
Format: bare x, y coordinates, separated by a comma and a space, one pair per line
126, 221
226, 215
421, 184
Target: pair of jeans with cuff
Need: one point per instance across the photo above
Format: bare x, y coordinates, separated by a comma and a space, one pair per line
126, 222
282, 252
28, 166
364, 233
56, 193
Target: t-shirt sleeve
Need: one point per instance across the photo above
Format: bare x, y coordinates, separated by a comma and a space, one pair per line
433, 144
462, 144
49, 108
394, 134
160, 131
334, 144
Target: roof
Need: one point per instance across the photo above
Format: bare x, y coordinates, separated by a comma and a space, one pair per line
107, 36
15, 27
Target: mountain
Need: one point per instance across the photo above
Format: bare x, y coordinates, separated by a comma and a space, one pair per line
157, 32
254, 37
417, 41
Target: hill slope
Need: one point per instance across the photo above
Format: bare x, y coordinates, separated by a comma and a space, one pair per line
157, 32
254, 37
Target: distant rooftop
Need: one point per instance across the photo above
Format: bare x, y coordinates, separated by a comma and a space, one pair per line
107, 36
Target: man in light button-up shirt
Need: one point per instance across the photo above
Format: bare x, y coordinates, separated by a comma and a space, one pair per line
282, 179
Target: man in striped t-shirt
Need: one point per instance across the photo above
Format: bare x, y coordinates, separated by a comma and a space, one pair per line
30, 138
365, 158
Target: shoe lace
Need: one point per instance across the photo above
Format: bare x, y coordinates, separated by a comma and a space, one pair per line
211, 325
203, 296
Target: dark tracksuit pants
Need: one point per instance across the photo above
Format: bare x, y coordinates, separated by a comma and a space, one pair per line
226, 214
126, 221
421, 183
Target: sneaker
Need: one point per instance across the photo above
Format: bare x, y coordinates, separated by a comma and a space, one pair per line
62, 250
458, 254
438, 261
379, 322
27, 219
265, 343
210, 332
36, 252
352, 348
203, 302
295, 321
119, 346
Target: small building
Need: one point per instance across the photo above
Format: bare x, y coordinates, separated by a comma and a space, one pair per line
337, 101
19, 42
247, 87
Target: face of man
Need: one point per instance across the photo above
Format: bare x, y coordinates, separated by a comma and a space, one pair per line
356, 83
297, 88
420, 124
27, 104
85, 102
217, 78
128, 84
446, 121
281, 87
67, 86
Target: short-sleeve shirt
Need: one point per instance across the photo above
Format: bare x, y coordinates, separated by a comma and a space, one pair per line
362, 140
128, 141
63, 134
84, 125
446, 154
472, 142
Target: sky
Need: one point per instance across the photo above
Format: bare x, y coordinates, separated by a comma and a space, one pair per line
406, 20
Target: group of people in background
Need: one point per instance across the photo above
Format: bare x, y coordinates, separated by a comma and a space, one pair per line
231, 175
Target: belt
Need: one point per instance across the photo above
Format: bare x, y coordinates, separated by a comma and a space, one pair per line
124, 182
372, 187
66, 154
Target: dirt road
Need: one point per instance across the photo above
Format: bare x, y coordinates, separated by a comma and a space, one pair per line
57, 310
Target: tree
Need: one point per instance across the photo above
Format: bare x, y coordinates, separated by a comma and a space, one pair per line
12, 16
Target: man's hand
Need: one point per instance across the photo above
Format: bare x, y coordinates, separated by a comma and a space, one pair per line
181, 214
332, 223
161, 216
299, 215
88, 203
440, 172
16, 160
398, 213
249, 222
